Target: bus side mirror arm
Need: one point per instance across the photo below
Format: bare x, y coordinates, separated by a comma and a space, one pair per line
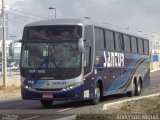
11, 47
81, 45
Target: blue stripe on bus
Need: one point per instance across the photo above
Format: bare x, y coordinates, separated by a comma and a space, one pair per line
120, 80
38, 83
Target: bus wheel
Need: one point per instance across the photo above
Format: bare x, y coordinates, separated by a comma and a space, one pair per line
138, 88
46, 103
97, 93
132, 93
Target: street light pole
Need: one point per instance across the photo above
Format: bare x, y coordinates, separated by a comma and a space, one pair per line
108, 17
51, 8
146, 35
4, 71
140, 32
87, 18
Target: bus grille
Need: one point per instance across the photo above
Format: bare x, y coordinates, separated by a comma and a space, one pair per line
56, 90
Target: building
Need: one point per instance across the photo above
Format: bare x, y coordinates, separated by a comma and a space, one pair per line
155, 40
17, 50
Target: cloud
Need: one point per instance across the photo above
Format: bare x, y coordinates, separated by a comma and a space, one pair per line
135, 14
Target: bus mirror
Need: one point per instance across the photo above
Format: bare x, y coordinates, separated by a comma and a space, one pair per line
80, 45
11, 47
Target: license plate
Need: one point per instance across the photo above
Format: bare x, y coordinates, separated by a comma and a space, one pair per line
47, 96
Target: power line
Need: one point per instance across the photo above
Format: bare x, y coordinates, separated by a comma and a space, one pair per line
17, 21
29, 13
21, 15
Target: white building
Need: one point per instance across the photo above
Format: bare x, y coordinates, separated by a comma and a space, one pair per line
155, 40
17, 50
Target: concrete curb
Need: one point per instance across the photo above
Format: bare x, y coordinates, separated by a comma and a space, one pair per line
72, 117
9, 97
112, 104
154, 70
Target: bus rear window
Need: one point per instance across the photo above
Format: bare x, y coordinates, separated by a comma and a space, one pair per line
58, 32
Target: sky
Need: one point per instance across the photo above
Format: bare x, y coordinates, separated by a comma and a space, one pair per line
137, 15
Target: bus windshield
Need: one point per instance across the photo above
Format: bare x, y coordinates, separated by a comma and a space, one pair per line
56, 59
56, 32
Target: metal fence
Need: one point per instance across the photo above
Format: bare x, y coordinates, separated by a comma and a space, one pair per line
11, 72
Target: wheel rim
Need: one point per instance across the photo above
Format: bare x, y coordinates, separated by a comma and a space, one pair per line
97, 93
139, 88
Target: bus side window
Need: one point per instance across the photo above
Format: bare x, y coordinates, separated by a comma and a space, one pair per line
140, 46
146, 47
99, 38
119, 43
88, 33
87, 59
112, 41
108, 40
134, 44
127, 43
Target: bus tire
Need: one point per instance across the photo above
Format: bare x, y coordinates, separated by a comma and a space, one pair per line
46, 103
97, 95
132, 93
138, 88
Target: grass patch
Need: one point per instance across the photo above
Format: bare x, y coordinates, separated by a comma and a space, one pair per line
2, 87
10, 90
157, 107
95, 117
142, 106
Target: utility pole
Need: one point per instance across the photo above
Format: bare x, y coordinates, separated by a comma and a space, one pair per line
4, 71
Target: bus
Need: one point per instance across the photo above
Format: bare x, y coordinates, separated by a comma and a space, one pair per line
71, 59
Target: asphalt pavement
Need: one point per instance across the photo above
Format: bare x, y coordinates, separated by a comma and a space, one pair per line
32, 109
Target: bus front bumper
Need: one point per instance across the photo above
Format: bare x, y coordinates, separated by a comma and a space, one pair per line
73, 94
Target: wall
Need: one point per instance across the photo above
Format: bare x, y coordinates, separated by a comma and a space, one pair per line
11, 81
154, 65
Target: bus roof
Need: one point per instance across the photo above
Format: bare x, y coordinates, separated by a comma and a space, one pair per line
59, 22
83, 22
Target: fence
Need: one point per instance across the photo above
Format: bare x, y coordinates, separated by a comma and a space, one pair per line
11, 72
13, 77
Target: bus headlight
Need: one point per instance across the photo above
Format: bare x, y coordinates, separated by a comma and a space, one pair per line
71, 86
26, 86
